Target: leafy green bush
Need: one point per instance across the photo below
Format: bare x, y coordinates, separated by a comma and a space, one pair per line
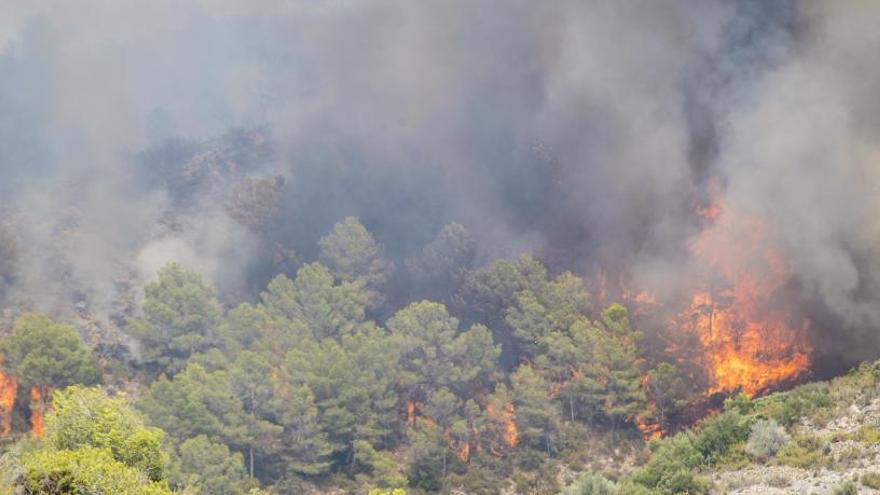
670, 469
871, 480
591, 484
765, 439
719, 433
788, 407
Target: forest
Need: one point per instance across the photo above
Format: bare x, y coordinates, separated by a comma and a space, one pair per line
384, 247
475, 375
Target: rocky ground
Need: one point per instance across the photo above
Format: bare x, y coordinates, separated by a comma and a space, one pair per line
850, 450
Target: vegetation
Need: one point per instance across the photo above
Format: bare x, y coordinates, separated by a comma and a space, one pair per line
508, 375
765, 439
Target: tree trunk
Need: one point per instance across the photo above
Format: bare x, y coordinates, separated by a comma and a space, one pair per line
251, 455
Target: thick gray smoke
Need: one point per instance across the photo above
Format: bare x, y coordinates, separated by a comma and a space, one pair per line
585, 131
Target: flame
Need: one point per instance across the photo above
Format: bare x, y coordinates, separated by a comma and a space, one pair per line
38, 409
746, 343
511, 434
410, 413
8, 392
464, 453
650, 429
647, 423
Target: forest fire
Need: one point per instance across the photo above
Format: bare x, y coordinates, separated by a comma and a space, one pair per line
38, 410
748, 341
8, 392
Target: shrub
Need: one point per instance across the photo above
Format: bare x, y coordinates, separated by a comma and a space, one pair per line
670, 469
719, 433
797, 454
765, 439
591, 484
848, 488
629, 488
788, 407
683, 481
871, 480
868, 435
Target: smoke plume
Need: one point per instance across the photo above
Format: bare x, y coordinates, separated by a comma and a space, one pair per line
584, 132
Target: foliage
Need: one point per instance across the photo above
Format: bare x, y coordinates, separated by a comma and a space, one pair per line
441, 266
871, 480
209, 468
868, 435
788, 407
804, 451
88, 417
180, 311
353, 255
591, 484
86, 470
668, 390
94, 444
41, 352
717, 434
765, 439
671, 466
848, 488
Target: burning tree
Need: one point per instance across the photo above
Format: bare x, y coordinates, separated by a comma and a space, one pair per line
746, 336
44, 355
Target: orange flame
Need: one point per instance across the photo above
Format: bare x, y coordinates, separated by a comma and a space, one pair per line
511, 434
38, 410
410, 413
647, 423
747, 343
8, 392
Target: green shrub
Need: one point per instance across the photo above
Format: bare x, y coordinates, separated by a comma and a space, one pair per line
671, 466
628, 487
683, 481
795, 454
848, 488
871, 480
591, 484
787, 407
868, 435
735, 457
765, 439
719, 433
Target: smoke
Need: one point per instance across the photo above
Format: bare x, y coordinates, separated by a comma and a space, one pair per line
583, 131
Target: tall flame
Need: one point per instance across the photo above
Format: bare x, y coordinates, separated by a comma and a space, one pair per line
511, 434
38, 410
8, 392
647, 423
746, 343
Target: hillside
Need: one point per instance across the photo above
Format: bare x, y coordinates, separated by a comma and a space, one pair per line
818, 438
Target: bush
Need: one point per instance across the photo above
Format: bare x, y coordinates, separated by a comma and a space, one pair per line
804, 452
848, 488
719, 433
591, 484
788, 407
671, 466
683, 481
868, 435
765, 439
871, 480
